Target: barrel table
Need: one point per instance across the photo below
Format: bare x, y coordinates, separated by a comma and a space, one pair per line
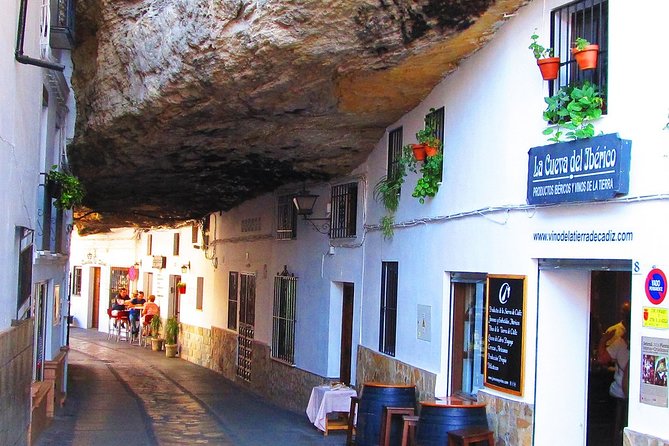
374, 397
439, 417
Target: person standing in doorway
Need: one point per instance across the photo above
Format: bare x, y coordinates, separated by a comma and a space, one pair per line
614, 348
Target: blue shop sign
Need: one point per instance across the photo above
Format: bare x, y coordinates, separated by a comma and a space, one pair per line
582, 170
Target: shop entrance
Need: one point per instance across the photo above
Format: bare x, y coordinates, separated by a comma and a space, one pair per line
577, 301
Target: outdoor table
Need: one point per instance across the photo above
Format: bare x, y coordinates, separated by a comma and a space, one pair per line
328, 399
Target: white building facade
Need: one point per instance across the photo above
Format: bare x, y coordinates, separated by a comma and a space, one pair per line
280, 304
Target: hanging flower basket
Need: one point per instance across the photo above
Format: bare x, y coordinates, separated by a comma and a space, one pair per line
549, 68
419, 151
181, 286
431, 150
586, 58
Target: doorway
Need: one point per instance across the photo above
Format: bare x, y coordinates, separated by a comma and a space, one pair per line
247, 305
173, 305
577, 301
95, 317
346, 345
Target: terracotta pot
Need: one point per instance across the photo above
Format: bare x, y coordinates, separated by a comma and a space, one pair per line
549, 68
587, 58
418, 151
431, 151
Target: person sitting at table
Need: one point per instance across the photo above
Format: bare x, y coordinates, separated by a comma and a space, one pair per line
117, 306
135, 312
150, 308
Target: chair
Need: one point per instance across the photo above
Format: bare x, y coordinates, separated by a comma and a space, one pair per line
471, 435
123, 325
351, 420
111, 329
146, 322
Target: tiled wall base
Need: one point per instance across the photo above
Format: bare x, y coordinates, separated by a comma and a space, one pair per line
510, 420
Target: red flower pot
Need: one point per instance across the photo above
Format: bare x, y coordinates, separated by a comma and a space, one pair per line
431, 151
549, 68
587, 58
182, 289
419, 151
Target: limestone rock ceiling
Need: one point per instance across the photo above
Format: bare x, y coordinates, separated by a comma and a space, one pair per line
185, 107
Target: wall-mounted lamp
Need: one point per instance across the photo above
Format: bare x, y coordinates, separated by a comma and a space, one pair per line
304, 203
185, 267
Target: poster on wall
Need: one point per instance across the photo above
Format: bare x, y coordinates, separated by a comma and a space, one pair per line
505, 311
654, 357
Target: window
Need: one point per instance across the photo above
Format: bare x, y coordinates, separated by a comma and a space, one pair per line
394, 152
149, 243
175, 244
587, 19
76, 280
199, 293
25, 262
388, 328
344, 199
435, 119
286, 218
468, 336
233, 299
193, 234
283, 318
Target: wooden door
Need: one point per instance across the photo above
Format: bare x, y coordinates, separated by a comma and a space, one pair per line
247, 303
346, 348
95, 317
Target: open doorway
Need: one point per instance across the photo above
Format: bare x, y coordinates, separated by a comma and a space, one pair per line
346, 348
577, 301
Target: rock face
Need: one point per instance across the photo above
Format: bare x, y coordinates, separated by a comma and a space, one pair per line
185, 107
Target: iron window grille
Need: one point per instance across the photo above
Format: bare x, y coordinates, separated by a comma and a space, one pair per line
435, 119
233, 299
344, 202
587, 19
283, 318
286, 218
394, 153
388, 319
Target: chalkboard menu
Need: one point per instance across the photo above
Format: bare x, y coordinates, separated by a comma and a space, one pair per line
505, 311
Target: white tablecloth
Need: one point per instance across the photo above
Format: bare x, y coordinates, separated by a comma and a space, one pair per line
324, 400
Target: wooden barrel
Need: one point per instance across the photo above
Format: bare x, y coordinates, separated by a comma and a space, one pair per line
376, 396
437, 418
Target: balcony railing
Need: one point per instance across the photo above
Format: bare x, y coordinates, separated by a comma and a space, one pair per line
62, 24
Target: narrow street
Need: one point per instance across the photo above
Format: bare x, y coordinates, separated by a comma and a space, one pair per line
121, 394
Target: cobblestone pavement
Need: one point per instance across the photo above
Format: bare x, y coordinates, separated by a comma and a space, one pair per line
126, 395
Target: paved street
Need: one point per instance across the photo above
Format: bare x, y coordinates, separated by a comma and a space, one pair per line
128, 395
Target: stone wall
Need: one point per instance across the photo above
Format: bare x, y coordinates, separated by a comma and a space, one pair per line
16, 353
373, 366
632, 438
511, 420
195, 344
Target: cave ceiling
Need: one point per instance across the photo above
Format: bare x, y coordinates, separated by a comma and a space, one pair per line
186, 107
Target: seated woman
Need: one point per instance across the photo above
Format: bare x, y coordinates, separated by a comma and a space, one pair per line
150, 308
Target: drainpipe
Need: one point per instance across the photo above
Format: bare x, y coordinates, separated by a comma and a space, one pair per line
18, 54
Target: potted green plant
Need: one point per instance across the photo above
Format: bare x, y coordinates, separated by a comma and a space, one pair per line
427, 138
585, 53
65, 188
181, 286
171, 332
572, 109
548, 65
428, 184
156, 340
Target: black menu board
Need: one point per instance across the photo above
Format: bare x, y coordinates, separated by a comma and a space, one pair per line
505, 311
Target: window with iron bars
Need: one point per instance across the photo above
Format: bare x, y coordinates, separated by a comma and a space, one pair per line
394, 152
344, 207
435, 119
388, 320
286, 218
283, 318
588, 19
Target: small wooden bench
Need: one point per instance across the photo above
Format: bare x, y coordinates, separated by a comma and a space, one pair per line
470, 435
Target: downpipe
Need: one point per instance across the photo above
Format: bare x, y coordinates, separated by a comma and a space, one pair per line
21, 32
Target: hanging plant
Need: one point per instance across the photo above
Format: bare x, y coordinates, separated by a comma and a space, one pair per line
65, 188
548, 65
428, 183
585, 54
573, 108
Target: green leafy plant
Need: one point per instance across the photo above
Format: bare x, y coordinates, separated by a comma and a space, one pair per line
386, 223
171, 330
538, 50
580, 43
428, 183
156, 325
572, 109
66, 188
